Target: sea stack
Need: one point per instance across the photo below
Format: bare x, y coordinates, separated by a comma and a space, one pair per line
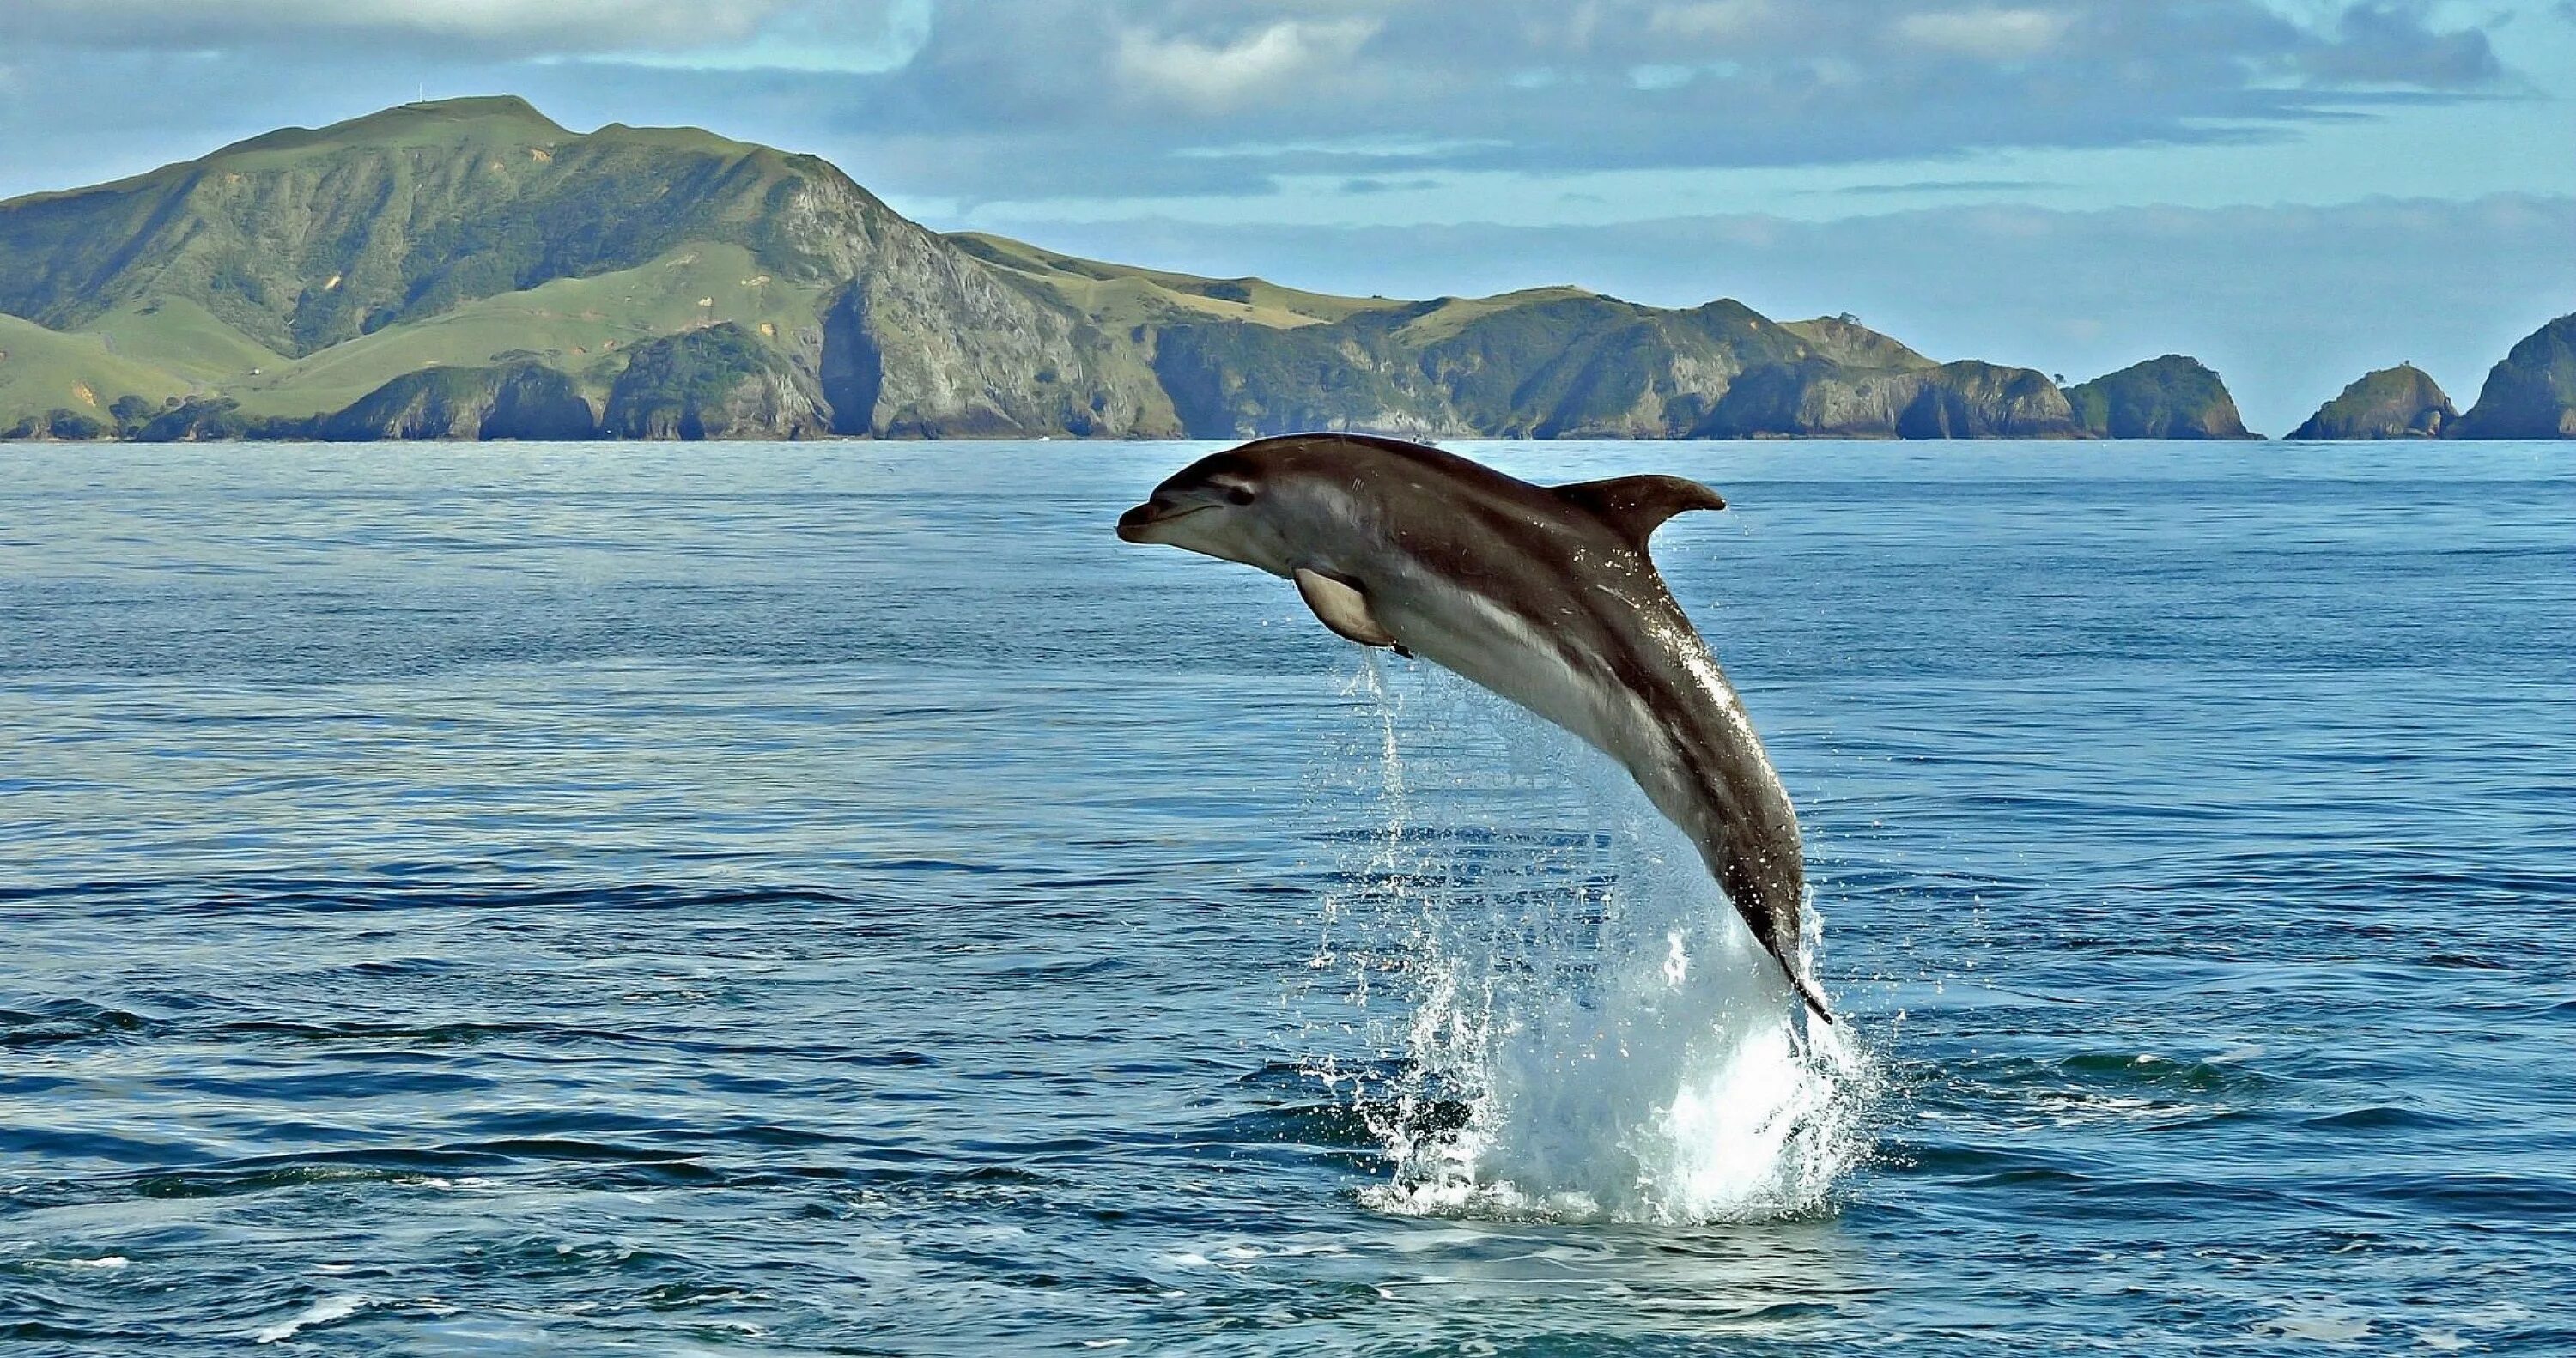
2532, 394
2403, 402
2173, 397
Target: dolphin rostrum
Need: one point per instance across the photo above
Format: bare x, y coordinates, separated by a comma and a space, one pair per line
1543, 594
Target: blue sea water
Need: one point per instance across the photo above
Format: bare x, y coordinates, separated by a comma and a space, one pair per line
835, 898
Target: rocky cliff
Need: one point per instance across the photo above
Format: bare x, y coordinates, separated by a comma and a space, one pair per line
2392, 403
2172, 397
471, 269
517, 401
718, 383
2532, 393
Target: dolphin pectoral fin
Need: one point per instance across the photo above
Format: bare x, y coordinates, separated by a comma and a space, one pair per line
1635, 506
1340, 606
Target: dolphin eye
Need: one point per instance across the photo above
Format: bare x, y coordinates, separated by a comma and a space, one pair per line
1238, 495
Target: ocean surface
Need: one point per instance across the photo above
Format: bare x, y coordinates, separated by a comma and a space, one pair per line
836, 898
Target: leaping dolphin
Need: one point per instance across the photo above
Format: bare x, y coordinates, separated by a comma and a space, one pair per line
1543, 594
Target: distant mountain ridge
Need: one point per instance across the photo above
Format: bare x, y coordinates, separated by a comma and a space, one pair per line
470, 268
295, 274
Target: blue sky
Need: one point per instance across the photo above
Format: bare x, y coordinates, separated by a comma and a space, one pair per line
2293, 189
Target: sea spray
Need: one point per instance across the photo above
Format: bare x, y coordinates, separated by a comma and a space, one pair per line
1539, 1003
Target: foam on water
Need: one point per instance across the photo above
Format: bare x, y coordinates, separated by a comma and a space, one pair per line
322, 1312
1581, 1028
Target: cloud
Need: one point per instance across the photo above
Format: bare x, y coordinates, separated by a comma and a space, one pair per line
1024, 100
2392, 44
1941, 186
1254, 67
1999, 35
1117, 90
1718, 20
1388, 185
521, 27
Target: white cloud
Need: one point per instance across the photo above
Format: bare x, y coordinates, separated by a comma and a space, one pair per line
1713, 20
1248, 70
523, 27
1987, 34
976, 100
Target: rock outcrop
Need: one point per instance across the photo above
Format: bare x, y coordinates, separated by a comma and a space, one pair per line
59, 424
516, 401
1569, 364
2532, 393
2173, 397
717, 383
2393, 403
1817, 399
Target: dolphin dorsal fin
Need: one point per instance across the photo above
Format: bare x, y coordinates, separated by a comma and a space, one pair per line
1635, 506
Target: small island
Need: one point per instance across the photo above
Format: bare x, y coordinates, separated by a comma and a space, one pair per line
2173, 397
2532, 393
2393, 403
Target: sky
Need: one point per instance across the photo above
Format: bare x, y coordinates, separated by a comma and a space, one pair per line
2292, 190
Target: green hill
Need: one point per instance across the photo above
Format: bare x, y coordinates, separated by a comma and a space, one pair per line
2532, 393
2403, 402
470, 268
2172, 397
298, 272
43, 372
299, 240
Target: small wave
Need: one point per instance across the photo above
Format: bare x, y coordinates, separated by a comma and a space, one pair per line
322, 1312
59, 1021
2145, 1070
417, 887
2378, 1118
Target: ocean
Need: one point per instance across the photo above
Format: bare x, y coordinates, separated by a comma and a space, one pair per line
836, 898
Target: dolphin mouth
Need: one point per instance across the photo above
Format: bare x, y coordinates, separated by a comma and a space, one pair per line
1133, 523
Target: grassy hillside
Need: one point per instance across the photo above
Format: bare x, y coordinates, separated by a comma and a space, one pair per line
470, 265
181, 337
1118, 296
307, 238
581, 326
295, 274
42, 371
1842, 340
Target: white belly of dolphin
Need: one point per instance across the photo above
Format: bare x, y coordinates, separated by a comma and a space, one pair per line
1497, 649
1668, 751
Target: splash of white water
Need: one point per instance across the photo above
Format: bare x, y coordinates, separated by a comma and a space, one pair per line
1581, 1027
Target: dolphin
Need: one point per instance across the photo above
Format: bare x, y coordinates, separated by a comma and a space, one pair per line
1543, 594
